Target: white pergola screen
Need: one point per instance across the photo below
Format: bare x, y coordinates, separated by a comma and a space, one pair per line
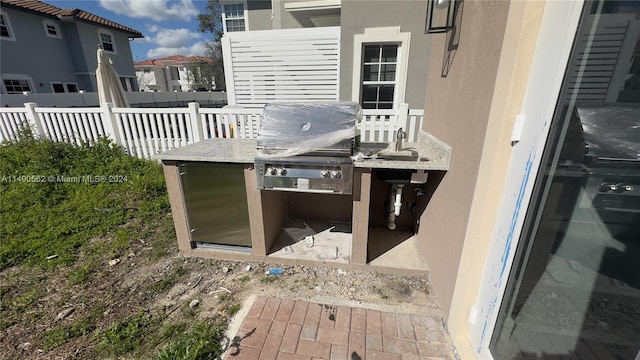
282, 65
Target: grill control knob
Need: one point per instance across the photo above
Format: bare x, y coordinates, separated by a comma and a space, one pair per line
335, 174
281, 171
270, 171
324, 173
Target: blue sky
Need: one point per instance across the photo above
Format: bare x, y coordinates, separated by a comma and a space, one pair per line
170, 27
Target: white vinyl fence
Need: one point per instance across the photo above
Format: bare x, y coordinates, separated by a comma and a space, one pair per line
149, 131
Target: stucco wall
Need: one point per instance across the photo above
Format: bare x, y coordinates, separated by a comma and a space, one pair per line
457, 109
69, 59
410, 16
259, 15
122, 60
518, 48
44, 59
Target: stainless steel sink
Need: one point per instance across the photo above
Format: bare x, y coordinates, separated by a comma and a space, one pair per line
401, 155
395, 176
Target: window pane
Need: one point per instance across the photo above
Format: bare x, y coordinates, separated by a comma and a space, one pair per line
370, 73
52, 30
371, 53
386, 93
389, 53
235, 25
388, 72
57, 88
17, 86
369, 93
368, 105
385, 105
72, 88
4, 29
107, 42
234, 11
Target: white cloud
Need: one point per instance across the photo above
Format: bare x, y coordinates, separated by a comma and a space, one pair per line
158, 10
152, 28
160, 52
173, 38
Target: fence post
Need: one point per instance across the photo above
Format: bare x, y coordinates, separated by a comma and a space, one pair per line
34, 119
109, 124
194, 118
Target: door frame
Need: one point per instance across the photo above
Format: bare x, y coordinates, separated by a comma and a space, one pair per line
553, 48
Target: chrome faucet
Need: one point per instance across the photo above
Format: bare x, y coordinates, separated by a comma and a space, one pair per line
399, 136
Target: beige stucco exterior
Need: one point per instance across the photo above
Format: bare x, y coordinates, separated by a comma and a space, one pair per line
489, 75
459, 106
356, 16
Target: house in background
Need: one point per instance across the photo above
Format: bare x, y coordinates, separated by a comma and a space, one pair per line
46, 49
326, 50
170, 73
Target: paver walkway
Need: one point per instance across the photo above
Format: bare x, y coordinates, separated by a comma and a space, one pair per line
281, 329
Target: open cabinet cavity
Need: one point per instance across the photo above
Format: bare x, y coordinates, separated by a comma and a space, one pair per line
304, 226
386, 244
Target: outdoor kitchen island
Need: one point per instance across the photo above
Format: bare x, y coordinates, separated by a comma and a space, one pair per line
370, 244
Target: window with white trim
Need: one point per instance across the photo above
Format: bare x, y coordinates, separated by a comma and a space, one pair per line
233, 17
380, 66
51, 29
17, 86
57, 87
379, 78
6, 32
107, 41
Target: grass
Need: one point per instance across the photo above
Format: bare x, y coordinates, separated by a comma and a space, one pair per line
125, 336
268, 279
59, 335
202, 341
86, 224
233, 309
67, 215
243, 279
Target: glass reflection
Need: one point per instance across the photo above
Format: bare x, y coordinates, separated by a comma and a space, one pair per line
574, 291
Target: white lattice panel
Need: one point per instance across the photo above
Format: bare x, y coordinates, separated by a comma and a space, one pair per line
282, 65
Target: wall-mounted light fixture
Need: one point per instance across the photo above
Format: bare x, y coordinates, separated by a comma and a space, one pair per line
440, 16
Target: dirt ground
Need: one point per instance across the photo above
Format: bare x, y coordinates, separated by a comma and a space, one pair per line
167, 287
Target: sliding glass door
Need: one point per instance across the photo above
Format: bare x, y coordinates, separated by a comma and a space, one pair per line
574, 289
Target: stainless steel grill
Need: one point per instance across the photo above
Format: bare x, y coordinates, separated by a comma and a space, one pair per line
307, 147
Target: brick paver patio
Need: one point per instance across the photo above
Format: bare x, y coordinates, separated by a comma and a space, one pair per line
281, 329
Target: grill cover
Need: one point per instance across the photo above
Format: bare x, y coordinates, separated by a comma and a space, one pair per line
289, 129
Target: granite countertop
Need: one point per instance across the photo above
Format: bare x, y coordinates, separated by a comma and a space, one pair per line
214, 150
432, 153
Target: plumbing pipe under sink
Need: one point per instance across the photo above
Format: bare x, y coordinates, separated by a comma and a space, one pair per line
395, 204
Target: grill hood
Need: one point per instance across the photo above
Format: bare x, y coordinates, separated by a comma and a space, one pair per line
289, 129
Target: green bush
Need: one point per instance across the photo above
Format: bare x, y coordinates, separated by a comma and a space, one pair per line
48, 206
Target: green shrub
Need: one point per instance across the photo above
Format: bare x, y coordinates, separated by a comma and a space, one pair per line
47, 206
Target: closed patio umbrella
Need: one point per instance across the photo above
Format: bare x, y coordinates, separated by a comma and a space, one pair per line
108, 82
